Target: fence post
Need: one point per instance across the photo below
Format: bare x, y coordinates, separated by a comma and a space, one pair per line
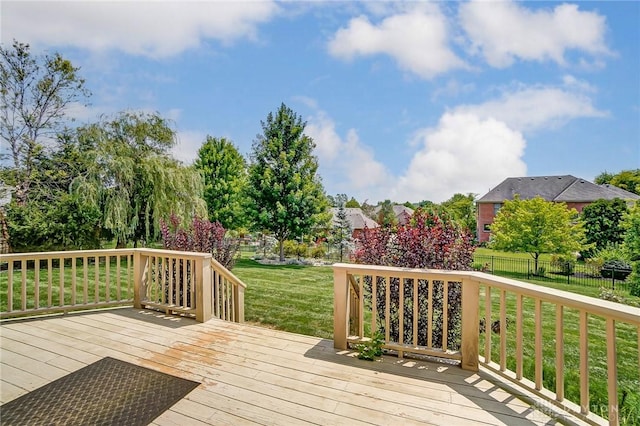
204, 297
529, 269
238, 300
340, 308
470, 324
613, 278
139, 282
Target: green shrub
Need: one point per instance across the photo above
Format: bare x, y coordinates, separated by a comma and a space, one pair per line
290, 248
616, 268
594, 266
563, 264
634, 286
371, 349
611, 252
318, 252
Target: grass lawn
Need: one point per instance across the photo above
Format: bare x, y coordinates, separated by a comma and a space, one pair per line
488, 252
293, 298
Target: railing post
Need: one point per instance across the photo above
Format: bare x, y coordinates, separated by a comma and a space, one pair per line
139, 271
238, 300
470, 324
340, 308
203, 288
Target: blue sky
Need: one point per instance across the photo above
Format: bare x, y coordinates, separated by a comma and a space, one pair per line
406, 101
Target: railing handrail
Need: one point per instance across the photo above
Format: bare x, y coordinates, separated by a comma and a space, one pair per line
349, 307
58, 254
81, 253
219, 268
185, 286
617, 311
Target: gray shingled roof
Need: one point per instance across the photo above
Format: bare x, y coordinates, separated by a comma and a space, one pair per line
356, 218
398, 209
565, 188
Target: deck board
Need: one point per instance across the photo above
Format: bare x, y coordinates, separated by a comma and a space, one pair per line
252, 375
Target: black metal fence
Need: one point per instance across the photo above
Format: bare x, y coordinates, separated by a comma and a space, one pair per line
561, 272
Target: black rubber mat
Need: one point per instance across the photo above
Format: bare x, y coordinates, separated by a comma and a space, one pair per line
107, 392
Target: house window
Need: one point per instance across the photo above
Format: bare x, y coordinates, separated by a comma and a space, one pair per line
487, 227
496, 207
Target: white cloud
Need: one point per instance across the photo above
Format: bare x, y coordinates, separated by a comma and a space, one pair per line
346, 164
464, 153
533, 108
417, 39
149, 28
470, 149
452, 89
187, 146
503, 31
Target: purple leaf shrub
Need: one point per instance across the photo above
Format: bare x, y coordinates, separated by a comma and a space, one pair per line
200, 236
432, 241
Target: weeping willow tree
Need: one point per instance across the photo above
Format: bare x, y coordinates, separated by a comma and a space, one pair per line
134, 179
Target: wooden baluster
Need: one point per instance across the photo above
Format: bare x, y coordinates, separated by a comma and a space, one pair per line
430, 314
612, 372
73, 279
559, 353
445, 314
400, 314
584, 363
487, 325
61, 286
503, 330
519, 320
387, 309
85, 280
416, 311
538, 344
36, 284
23, 287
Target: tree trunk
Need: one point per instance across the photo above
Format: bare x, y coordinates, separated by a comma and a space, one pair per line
281, 248
121, 243
4, 233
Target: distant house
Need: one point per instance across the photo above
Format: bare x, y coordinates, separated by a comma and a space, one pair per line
402, 213
575, 192
357, 220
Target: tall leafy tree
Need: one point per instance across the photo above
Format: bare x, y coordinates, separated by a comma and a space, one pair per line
462, 209
631, 244
341, 232
386, 216
225, 177
52, 218
352, 203
537, 226
603, 222
287, 197
35, 94
134, 179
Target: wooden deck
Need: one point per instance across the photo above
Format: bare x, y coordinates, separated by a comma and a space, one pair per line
254, 375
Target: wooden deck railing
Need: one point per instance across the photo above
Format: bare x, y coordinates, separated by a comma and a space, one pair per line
176, 282
484, 305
